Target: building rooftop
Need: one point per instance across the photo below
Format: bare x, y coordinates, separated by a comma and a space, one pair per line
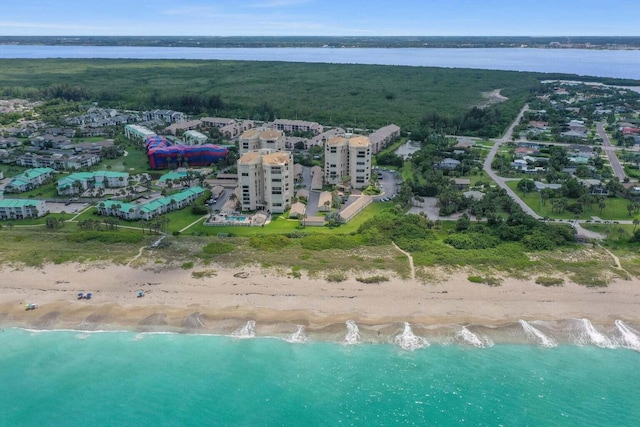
277, 158
250, 158
359, 141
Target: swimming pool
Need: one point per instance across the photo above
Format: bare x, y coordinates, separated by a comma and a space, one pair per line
236, 218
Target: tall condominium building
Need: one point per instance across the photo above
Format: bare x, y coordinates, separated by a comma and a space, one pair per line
255, 139
266, 179
348, 156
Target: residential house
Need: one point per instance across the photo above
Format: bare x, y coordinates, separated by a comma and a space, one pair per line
595, 187
541, 186
447, 163
462, 183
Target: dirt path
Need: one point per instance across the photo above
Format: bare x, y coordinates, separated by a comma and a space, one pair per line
616, 260
408, 255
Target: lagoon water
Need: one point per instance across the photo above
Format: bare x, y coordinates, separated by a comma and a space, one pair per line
70, 378
602, 63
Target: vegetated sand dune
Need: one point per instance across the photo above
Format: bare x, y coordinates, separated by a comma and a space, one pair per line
218, 302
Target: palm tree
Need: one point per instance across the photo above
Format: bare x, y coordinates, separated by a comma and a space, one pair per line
602, 205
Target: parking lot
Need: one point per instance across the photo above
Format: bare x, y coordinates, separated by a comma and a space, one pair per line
73, 207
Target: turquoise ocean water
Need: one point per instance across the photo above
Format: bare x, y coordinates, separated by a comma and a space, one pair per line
69, 378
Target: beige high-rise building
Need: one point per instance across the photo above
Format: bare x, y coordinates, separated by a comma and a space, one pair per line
348, 156
266, 179
255, 139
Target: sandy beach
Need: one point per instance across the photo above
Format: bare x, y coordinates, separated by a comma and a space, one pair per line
175, 301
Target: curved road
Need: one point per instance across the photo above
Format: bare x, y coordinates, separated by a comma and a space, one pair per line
498, 179
502, 181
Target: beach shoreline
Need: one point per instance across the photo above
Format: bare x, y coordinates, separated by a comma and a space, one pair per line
221, 300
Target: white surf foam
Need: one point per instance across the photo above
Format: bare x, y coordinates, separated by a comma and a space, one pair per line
630, 337
594, 337
298, 337
541, 338
469, 337
408, 340
247, 331
353, 333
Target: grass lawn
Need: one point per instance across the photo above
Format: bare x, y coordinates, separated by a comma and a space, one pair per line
278, 225
616, 208
133, 163
409, 172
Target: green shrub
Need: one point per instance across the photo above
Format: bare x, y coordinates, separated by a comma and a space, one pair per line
537, 242
336, 277
269, 242
319, 242
104, 237
203, 274
187, 265
491, 281
372, 279
549, 281
218, 248
471, 241
296, 272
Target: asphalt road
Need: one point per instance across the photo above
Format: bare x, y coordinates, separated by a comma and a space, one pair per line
618, 170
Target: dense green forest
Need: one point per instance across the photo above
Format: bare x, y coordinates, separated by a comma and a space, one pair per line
361, 96
348, 95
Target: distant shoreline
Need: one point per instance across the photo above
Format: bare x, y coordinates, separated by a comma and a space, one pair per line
428, 42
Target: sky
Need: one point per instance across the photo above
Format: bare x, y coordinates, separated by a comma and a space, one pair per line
322, 17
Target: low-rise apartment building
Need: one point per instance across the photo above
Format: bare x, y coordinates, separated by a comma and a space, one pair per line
383, 137
193, 137
297, 126
22, 208
138, 132
266, 180
150, 209
28, 180
78, 182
